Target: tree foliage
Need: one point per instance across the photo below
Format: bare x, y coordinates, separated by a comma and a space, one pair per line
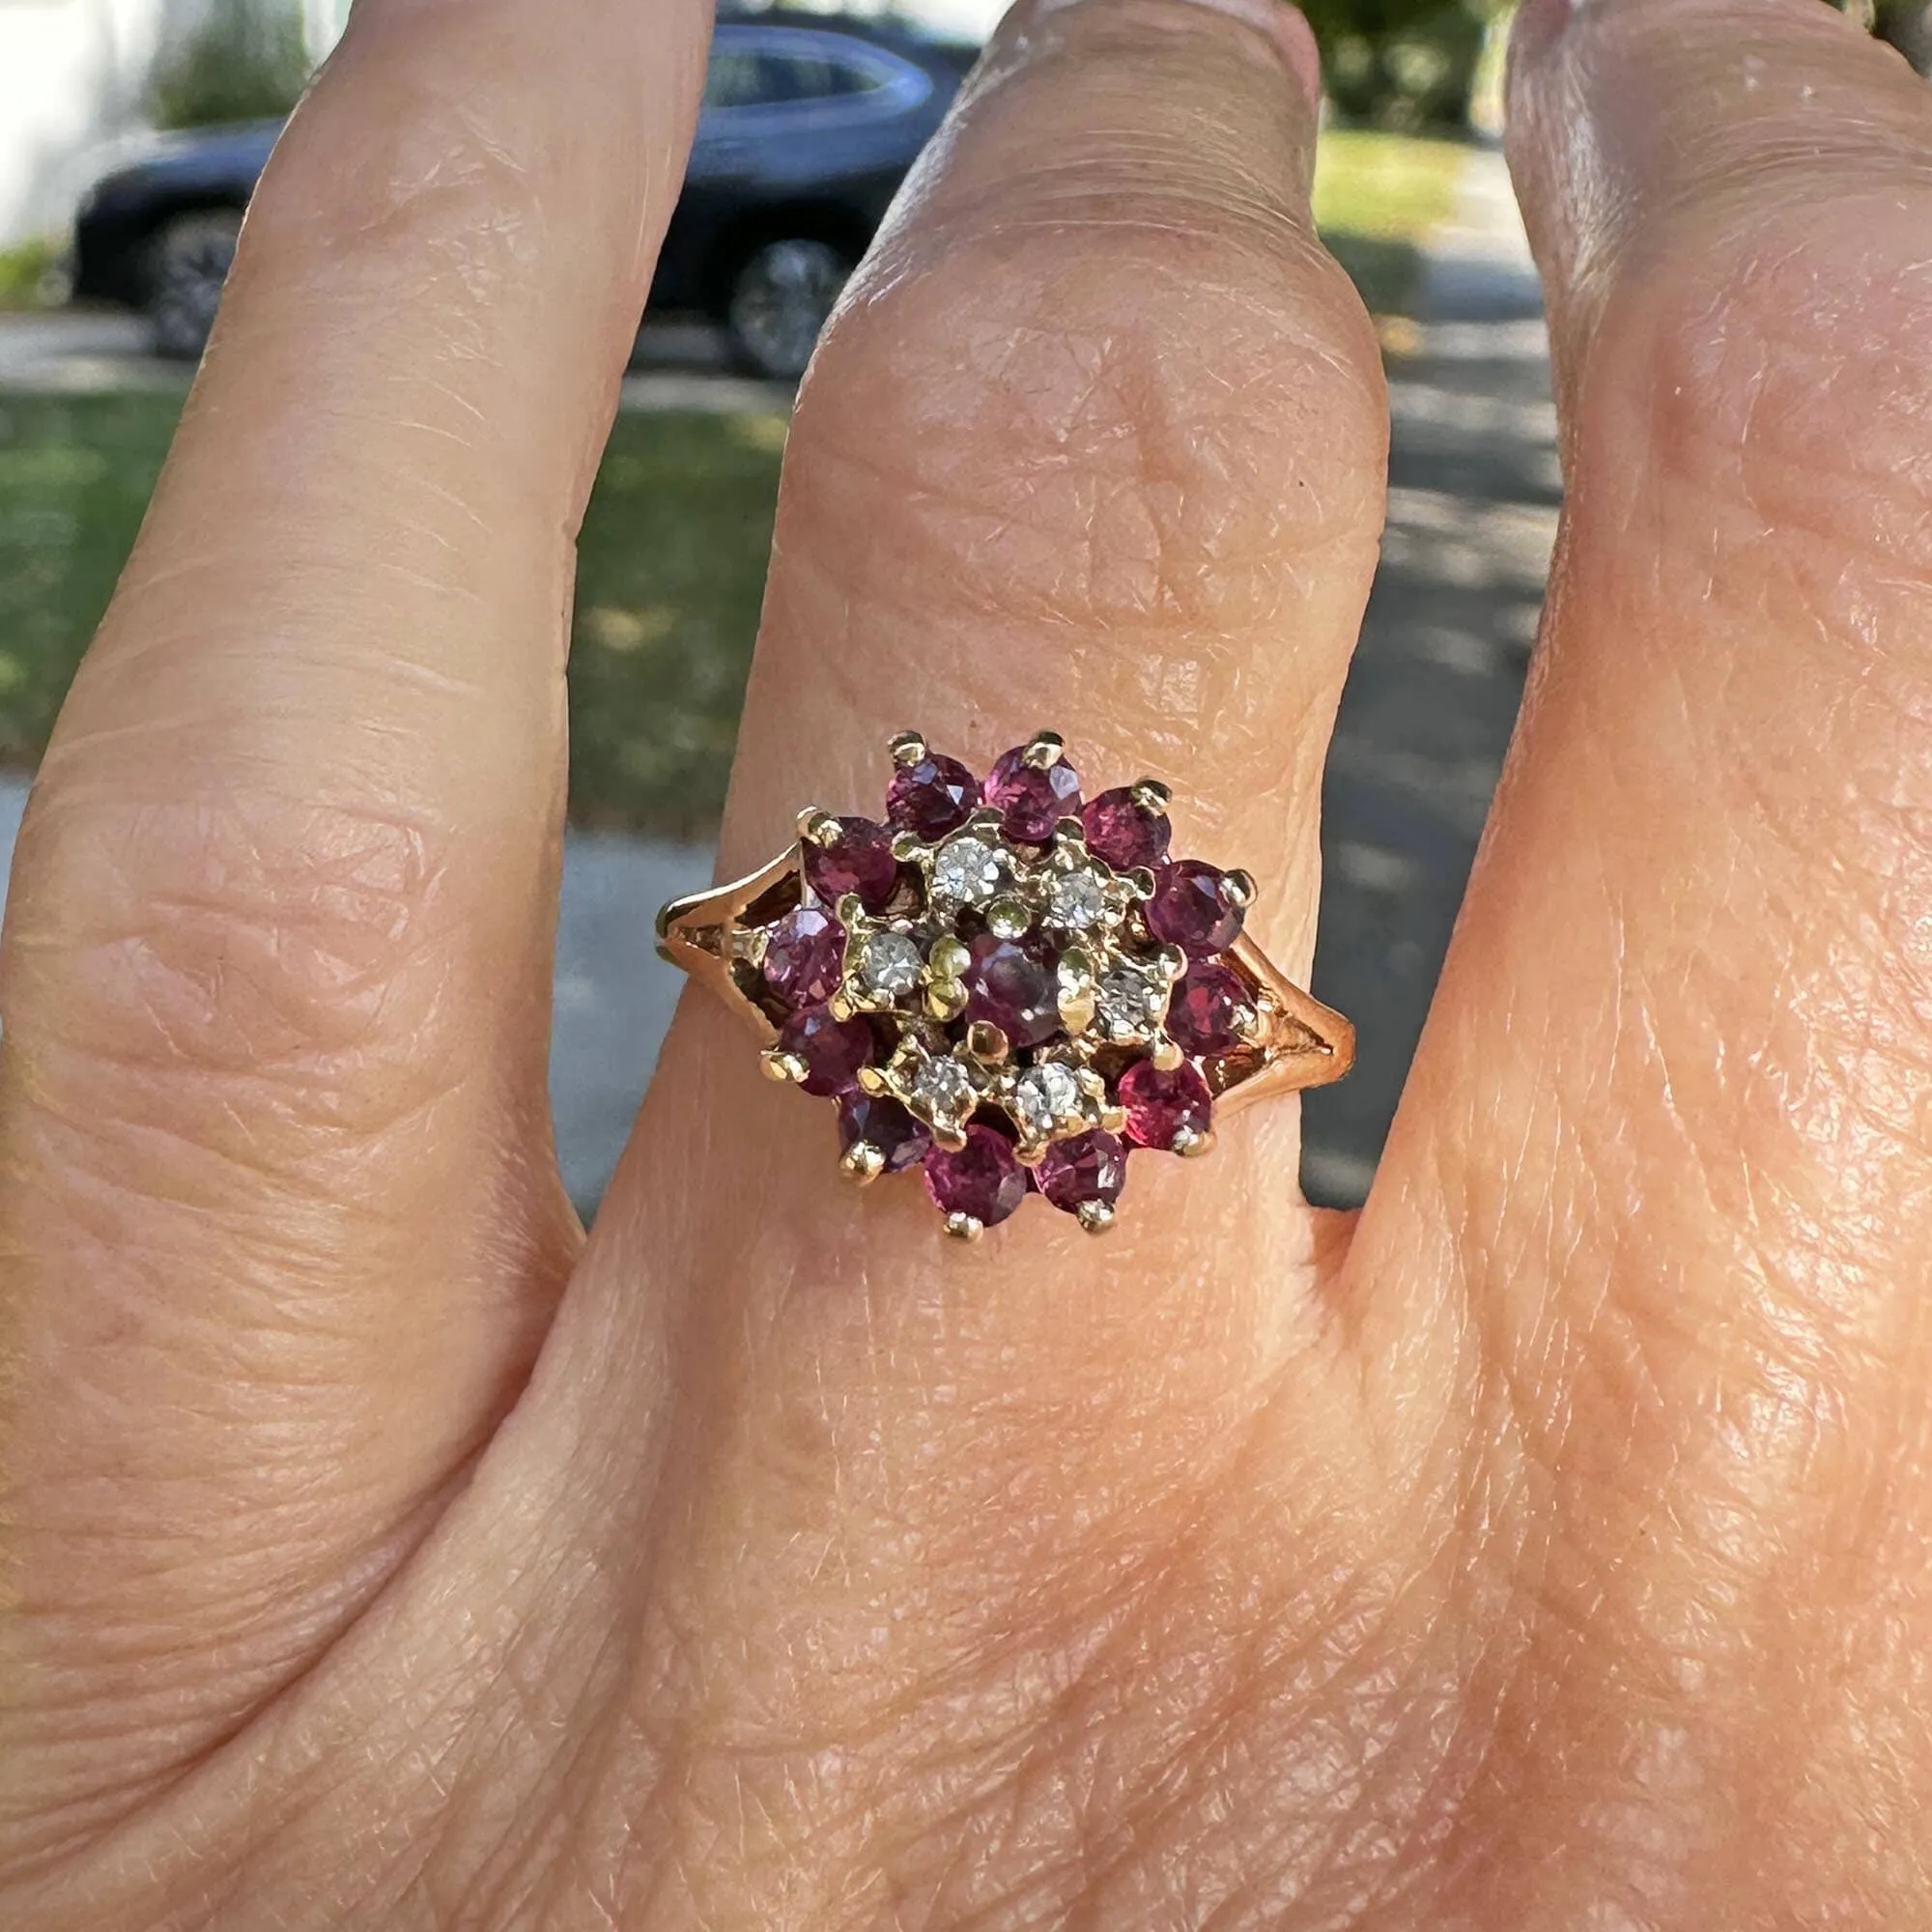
1401, 63
247, 60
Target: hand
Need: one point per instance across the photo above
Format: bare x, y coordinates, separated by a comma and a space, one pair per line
1545, 1548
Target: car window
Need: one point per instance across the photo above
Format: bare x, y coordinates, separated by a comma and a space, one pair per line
737, 79
819, 78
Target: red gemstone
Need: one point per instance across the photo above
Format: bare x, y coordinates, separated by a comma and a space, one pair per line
860, 860
1160, 1105
1088, 1167
805, 956
1207, 1008
1032, 801
933, 797
882, 1122
833, 1050
984, 1179
1187, 910
1123, 833
1013, 985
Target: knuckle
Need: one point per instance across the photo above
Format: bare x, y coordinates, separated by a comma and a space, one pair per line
1106, 417
231, 967
1778, 355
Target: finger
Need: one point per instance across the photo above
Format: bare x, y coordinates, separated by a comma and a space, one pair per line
281, 1217
1669, 1106
1096, 441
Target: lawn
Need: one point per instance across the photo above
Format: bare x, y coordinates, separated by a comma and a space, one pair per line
673, 554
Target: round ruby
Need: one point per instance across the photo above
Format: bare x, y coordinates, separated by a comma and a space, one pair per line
933, 797
1012, 984
1187, 910
805, 956
833, 1050
860, 860
1160, 1105
1089, 1167
1207, 1008
1032, 801
984, 1179
1125, 833
881, 1123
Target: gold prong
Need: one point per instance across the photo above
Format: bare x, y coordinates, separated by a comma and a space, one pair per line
816, 827
841, 1007
872, 1080
779, 1064
1191, 1143
1096, 1216
1140, 882
1167, 1053
946, 998
986, 1044
1114, 1120
1150, 795
964, 1227
1071, 836
1172, 962
986, 820
947, 1134
908, 747
1076, 1009
1009, 919
1248, 1027
908, 848
863, 1162
1045, 750
1237, 888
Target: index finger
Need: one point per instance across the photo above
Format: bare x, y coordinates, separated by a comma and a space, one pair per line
280, 1220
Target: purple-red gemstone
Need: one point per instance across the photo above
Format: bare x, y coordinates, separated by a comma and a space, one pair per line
879, 1121
1013, 985
833, 1050
933, 797
984, 1179
1125, 833
1032, 802
805, 956
1160, 1105
1089, 1167
1207, 1008
860, 860
1187, 909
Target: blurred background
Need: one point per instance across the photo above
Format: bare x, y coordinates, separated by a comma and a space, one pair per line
131, 133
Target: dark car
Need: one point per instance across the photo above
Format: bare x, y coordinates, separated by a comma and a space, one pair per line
810, 125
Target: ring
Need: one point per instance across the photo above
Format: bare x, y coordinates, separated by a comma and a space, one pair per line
1005, 989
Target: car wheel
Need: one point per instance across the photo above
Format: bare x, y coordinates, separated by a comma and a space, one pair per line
780, 300
188, 263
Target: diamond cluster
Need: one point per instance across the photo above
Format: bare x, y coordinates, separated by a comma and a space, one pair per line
1006, 988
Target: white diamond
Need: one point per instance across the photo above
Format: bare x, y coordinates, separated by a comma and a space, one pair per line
1129, 1001
1077, 901
943, 1086
968, 872
1044, 1095
890, 964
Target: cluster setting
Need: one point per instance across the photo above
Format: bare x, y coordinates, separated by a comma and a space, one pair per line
1006, 986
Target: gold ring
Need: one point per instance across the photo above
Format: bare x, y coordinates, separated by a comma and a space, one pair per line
1003, 987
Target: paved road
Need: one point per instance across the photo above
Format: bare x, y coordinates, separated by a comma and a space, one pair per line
1423, 727
1436, 684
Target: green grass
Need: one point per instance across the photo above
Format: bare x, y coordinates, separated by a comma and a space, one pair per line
670, 577
672, 556
1377, 197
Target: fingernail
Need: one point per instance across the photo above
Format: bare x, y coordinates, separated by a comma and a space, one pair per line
1285, 25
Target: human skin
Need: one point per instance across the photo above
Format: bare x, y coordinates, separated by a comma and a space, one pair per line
1545, 1548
